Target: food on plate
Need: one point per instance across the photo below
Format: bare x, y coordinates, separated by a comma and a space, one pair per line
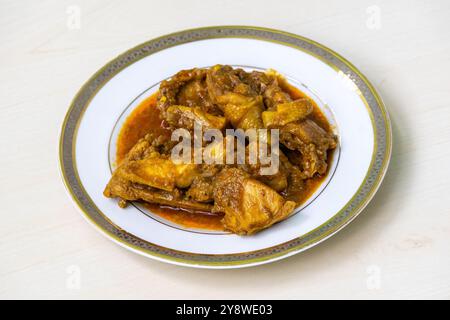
234, 196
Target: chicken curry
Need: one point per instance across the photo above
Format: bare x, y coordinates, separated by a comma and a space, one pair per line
234, 197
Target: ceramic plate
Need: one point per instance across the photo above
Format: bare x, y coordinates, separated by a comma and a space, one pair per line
351, 104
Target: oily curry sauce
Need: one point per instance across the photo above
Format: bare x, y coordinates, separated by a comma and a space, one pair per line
145, 118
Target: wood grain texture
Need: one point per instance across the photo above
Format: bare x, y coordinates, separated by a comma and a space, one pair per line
403, 236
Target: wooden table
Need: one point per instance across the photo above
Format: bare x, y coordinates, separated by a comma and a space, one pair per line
399, 246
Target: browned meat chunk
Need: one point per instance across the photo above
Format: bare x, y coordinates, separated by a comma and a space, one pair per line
312, 142
201, 190
146, 174
248, 204
239, 101
185, 117
186, 88
274, 94
277, 181
157, 172
126, 190
296, 131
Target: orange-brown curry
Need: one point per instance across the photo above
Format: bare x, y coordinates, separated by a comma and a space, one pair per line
146, 118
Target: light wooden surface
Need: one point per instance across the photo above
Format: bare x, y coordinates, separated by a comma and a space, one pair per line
399, 246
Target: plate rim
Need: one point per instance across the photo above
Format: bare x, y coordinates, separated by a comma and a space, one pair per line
135, 244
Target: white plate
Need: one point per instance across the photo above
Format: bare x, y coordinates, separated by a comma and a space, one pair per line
349, 101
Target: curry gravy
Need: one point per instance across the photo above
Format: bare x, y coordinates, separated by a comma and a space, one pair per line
145, 118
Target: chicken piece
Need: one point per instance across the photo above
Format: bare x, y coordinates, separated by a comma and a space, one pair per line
195, 93
287, 112
158, 173
248, 204
312, 142
187, 88
185, 117
154, 179
149, 146
148, 163
224, 79
148, 174
242, 111
296, 131
277, 181
201, 190
240, 102
256, 81
273, 94
295, 190
125, 190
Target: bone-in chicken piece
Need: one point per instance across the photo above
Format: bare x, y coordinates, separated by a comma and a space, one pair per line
248, 204
313, 143
150, 145
146, 174
273, 94
185, 117
277, 181
187, 88
158, 173
296, 131
128, 191
239, 101
201, 190
242, 111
